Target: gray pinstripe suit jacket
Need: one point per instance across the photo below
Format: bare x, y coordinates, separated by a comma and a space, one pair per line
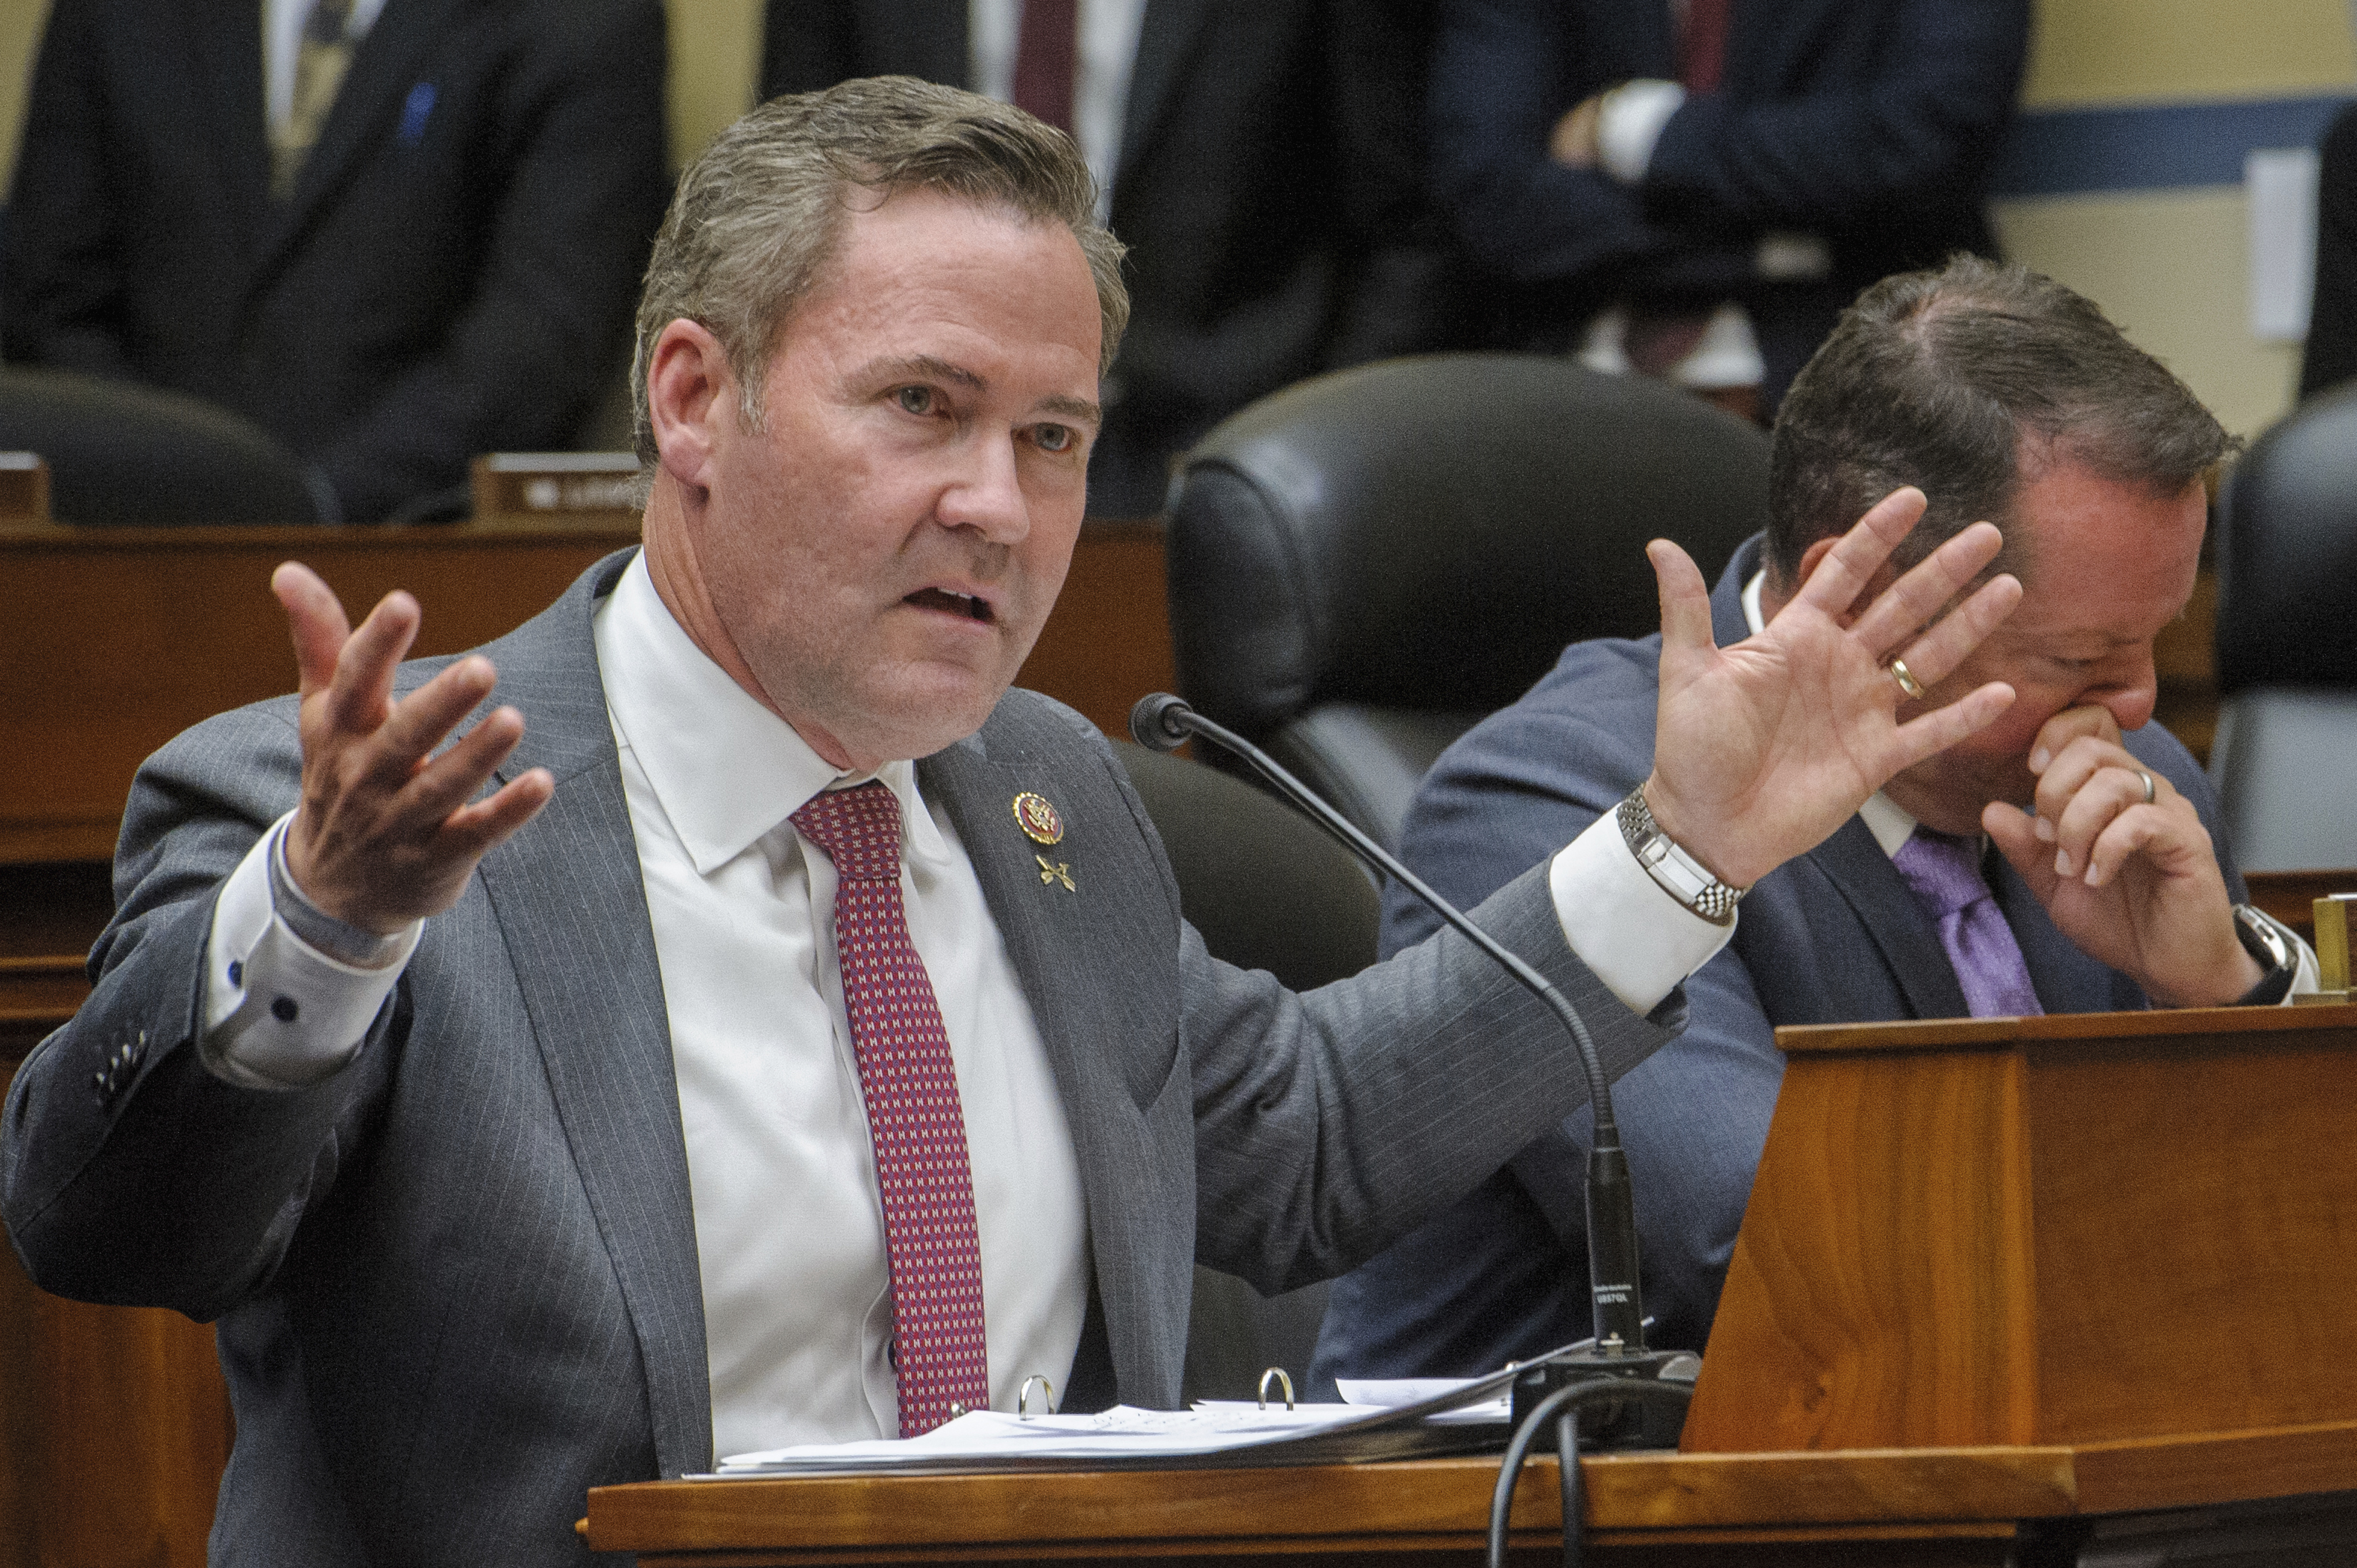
457, 1284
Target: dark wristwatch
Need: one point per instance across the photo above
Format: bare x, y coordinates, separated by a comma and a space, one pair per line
2265, 942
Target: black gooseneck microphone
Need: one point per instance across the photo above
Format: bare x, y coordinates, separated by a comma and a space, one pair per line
1163, 723
1639, 1396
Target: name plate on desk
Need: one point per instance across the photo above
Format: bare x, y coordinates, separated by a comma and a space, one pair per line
24, 487
546, 486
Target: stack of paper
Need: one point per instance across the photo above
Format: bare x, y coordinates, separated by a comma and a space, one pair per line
1388, 1421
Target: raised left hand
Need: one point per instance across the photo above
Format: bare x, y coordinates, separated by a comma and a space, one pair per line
2133, 885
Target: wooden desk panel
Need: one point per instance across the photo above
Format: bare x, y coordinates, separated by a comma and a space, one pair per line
117, 640
1920, 1506
1963, 1504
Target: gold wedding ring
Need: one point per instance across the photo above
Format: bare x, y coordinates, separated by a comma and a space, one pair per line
2149, 792
1906, 679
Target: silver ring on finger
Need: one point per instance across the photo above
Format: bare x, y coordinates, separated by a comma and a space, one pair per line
2150, 793
1906, 679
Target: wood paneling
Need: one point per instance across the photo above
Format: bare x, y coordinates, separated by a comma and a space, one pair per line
118, 639
1880, 1282
2046, 1230
1926, 1505
1430, 1506
2290, 895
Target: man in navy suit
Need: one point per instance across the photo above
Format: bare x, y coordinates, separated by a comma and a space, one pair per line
2001, 395
425, 250
1670, 157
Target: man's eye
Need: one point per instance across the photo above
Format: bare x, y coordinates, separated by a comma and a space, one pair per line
1053, 437
915, 400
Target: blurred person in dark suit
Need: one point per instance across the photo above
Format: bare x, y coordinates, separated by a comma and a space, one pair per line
1695, 189
394, 233
2330, 357
1263, 165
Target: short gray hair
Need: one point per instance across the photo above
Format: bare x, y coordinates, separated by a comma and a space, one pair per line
758, 216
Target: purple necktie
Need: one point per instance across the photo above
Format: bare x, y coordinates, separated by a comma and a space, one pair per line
1944, 871
914, 1119
1047, 51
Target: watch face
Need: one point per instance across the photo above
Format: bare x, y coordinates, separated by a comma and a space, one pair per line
2258, 937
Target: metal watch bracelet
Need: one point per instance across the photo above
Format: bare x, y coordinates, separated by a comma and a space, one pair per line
1680, 874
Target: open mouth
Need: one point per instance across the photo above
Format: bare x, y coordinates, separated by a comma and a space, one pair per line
941, 599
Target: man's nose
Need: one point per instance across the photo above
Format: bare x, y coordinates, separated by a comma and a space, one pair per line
987, 495
2131, 690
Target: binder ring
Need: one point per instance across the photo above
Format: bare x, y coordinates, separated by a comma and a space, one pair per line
1283, 1381
1023, 1397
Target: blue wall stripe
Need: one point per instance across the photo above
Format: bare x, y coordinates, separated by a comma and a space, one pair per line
2073, 150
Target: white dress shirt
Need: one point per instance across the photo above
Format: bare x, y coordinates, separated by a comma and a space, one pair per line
1101, 72
789, 1227
282, 31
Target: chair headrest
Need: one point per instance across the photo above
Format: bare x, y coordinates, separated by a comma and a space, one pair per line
1431, 532
127, 455
2288, 552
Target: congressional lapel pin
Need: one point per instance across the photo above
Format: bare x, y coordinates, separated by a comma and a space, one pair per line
1042, 825
1037, 819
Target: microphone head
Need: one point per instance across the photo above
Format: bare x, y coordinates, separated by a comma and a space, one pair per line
1158, 722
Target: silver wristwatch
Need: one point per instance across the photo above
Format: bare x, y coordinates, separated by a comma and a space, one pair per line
1682, 876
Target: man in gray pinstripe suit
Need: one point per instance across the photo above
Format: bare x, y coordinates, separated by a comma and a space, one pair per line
496, 1097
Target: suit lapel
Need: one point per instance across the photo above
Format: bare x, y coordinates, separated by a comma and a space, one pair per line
381, 74
1854, 863
1767, 39
925, 39
225, 45
570, 903
1166, 38
1651, 37
1076, 953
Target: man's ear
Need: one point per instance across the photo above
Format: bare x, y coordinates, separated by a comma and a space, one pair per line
1811, 559
690, 389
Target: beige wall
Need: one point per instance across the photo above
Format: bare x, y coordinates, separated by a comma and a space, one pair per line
20, 32
715, 53
2172, 266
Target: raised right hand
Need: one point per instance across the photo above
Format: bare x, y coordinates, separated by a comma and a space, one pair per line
384, 834
1764, 748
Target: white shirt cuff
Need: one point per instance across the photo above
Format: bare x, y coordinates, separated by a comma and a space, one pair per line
280, 1013
1628, 125
1636, 939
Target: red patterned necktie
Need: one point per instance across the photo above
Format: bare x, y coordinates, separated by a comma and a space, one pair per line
1047, 50
1702, 44
913, 1115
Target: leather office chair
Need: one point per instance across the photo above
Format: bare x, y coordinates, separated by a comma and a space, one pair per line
123, 455
2286, 755
1268, 889
1363, 564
